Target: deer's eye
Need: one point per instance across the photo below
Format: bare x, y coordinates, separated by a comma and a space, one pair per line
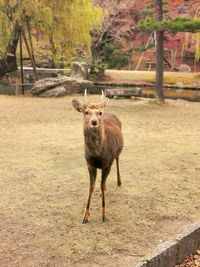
86, 112
100, 113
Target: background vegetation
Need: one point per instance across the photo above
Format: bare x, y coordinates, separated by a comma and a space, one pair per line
64, 24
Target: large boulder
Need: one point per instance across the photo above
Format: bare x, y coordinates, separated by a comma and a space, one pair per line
60, 86
79, 70
54, 92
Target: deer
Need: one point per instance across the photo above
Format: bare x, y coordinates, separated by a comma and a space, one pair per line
103, 144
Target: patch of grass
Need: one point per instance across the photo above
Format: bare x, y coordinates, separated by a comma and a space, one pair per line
197, 75
184, 78
149, 76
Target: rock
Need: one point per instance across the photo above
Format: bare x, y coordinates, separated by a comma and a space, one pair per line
179, 84
55, 92
80, 70
184, 68
196, 84
60, 86
45, 63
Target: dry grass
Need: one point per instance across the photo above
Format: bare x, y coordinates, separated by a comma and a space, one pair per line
149, 76
44, 182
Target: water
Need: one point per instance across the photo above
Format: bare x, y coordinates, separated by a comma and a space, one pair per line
5, 88
149, 92
16, 82
172, 93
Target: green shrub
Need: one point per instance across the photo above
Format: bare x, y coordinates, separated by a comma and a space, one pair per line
113, 57
97, 71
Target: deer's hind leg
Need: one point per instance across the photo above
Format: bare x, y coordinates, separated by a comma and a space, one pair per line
104, 176
119, 182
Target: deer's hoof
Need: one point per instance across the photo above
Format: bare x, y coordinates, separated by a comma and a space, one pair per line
104, 219
85, 221
119, 183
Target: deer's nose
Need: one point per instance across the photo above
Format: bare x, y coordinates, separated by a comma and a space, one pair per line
94, 122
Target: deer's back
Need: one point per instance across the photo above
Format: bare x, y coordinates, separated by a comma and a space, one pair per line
111, 119
113, 134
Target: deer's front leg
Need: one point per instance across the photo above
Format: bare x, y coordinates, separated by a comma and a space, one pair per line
104, 176
93, 174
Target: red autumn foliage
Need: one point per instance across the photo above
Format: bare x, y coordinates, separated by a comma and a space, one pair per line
125, 16
175, 3
192, 260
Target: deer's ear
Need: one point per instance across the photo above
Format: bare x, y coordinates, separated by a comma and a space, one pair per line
77, 105
105, 102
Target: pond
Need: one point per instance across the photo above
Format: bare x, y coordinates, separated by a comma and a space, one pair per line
5, 88
190, 94
15, 78
16, 89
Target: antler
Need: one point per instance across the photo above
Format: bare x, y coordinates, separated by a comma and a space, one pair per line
102, 95
86, 99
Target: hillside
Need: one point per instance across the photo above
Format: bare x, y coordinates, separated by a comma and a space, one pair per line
124, 16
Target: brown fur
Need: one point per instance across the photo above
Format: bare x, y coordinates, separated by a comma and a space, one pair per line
103, 144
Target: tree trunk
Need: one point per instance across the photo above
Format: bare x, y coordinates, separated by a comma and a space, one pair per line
31, 56
173, 58
53, 50
159, 55
9, 62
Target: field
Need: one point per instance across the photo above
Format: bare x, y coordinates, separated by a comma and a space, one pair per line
170, 78
44, 182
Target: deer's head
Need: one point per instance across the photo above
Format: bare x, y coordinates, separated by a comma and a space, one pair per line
92, 112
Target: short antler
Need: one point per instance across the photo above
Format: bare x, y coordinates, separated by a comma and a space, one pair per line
102, 96
86, 98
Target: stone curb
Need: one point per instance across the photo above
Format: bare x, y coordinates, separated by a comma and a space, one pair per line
175, 251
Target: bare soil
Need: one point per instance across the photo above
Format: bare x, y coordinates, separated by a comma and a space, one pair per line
44, 182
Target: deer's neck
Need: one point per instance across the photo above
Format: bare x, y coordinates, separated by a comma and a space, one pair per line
94, 140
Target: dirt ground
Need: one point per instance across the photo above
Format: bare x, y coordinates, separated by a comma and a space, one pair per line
44, 182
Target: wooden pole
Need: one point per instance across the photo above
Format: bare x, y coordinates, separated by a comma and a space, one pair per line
31, 57
30, 38
143, 52
21, 64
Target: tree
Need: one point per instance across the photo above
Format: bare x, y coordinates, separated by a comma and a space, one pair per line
9, 37
66, 24
106, 34
159, 53
195, 38
161, 25
8, 62
117, 28
172, 46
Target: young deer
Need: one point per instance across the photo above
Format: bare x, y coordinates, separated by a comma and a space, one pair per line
103, 144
